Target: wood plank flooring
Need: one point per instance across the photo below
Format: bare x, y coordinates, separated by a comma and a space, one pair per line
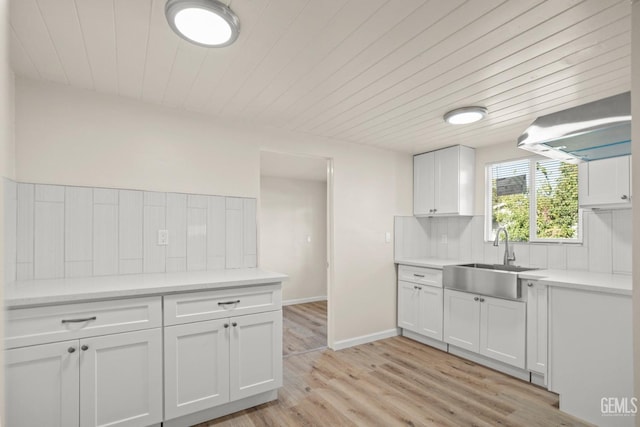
395, 382
305, 327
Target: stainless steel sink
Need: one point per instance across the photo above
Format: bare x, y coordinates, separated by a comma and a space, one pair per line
499, 267
496, 280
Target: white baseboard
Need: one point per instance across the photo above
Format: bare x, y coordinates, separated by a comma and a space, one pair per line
303, 300
440, 345
491, 363
340, 345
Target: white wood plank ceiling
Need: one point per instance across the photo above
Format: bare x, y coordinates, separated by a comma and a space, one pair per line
372, 72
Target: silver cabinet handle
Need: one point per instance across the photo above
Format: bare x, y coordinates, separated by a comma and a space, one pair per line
530, 284
234, 324
226, 325
418, 275
435, 210
71, 349
86, 319
481, 299
476, 299
85, 347
229, 302
624, 197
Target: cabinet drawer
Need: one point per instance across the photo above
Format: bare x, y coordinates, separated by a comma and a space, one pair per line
421, 275
39, 325
209, 305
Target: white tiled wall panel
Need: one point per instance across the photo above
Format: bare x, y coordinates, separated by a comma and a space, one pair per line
197, 233
249, 233
216, 233
599, 241
25, 232
234, 239
154, 255
48, 233
177, 227
606, 245
105, 239
130, 231
622, 234
78, 224
63, 231
10, 225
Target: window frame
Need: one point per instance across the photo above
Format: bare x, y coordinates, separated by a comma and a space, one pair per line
533, 236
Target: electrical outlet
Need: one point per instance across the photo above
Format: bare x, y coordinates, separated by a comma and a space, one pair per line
163, 237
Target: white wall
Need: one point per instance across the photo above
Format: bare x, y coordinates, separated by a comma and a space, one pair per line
635, 112
6, 155
75, 137
291, 211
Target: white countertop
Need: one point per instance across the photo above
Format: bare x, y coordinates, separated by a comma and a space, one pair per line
56, 291
428, 262
576, 279
584, 280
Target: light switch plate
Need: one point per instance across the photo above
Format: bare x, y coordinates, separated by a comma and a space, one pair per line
163, 237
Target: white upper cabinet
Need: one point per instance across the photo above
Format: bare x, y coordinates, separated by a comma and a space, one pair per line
605, 183
443, 182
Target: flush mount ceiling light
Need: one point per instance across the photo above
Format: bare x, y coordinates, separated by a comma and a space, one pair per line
207, 23
464, 115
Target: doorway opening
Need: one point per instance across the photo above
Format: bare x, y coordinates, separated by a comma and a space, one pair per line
295, 224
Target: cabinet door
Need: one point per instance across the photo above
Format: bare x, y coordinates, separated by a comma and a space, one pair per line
121, 379
423, 184
196, 366
42, 385
502, 330
430, 312
461, 320
537, 327
447, 191
604, 182
408, 298
256, 354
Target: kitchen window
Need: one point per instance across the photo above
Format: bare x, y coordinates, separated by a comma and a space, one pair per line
536, 199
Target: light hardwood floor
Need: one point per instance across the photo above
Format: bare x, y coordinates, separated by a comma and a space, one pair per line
396, 382
305, 327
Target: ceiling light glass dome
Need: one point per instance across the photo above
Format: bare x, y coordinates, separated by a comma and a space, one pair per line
207, 23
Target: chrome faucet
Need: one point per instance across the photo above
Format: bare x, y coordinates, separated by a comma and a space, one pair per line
508, 257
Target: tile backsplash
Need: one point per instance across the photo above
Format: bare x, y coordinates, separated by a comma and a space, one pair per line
54, 231
606, 245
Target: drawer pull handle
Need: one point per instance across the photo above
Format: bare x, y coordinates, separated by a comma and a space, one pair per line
476, 299
86, 319
85, 347
226, 325
71, 349
229, 302
234, 324
418, 275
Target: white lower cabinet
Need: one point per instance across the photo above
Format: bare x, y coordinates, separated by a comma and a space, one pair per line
537, 321
42, 385
462, 320
420, 301
214, 362
420, 309
112, 380
493, 327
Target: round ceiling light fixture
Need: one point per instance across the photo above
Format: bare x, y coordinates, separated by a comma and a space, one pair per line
207, 23
465, 115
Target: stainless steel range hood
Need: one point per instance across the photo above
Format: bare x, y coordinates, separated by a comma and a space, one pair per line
593, 131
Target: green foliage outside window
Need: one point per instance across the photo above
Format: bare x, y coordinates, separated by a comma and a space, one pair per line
556, 192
